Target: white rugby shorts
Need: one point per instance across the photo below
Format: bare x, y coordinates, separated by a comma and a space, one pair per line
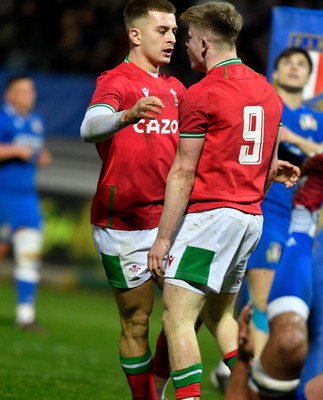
124, 255
211, 250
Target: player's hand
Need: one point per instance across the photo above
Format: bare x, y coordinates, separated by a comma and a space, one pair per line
287, 173
24, 153
146, 107
44, 158
155, 258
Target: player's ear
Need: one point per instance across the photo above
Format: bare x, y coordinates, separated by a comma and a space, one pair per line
205, 46
135, 36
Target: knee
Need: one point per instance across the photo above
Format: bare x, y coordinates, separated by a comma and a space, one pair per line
27, 248
135, 323
292, 346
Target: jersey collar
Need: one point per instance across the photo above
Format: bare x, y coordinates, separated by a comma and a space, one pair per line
138, 69
229, 61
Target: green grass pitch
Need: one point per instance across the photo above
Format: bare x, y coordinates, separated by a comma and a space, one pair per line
77, 359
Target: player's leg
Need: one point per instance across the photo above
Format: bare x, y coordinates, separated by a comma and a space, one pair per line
27, 246
181, 310
218, 316
217, 261
161, 359
259, 283
261, 269
27, 236
221, 373
281, 362
135, 307
161, 365
124, 258
311, 378
4, 250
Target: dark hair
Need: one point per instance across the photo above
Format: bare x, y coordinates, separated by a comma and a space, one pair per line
291, 51
220, 18
14, 78
140, 9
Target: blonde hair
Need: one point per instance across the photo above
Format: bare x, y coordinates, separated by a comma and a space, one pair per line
220, 18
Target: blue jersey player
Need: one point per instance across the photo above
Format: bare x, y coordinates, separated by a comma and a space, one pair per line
311, 385
21, 227
302, 136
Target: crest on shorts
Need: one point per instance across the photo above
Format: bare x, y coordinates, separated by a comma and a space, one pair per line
274, 252
135, 271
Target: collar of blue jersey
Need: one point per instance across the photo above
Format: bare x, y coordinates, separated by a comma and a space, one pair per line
229, 61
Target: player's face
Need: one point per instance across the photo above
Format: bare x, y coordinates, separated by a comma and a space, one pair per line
195, 47
157, 39
292, 72
22, 95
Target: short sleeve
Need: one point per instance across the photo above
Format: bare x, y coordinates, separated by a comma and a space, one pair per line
193, 113
108, 91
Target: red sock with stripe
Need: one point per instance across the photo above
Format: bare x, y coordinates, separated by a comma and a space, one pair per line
187, 381
140, 376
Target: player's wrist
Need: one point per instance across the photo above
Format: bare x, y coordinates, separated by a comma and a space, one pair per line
125, 118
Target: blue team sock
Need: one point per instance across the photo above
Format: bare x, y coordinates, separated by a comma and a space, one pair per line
26, 291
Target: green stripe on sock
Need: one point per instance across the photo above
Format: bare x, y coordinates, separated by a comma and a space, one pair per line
137, 365
230, 362
187, 376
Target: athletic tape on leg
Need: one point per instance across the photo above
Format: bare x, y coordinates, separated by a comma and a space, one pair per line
27, 247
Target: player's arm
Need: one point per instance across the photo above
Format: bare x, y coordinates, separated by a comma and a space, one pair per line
45, 158
308, 147
179, 186
101, 122
273, 167
11, 151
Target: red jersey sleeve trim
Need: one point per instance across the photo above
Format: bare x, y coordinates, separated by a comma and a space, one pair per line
102, 105
192, 135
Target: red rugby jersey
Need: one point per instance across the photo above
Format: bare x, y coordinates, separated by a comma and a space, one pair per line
136, 161
239, 112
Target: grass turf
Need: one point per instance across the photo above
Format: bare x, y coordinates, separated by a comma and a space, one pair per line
77, 359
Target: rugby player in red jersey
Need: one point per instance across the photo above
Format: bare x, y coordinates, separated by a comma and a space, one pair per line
133, 119
225, 162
